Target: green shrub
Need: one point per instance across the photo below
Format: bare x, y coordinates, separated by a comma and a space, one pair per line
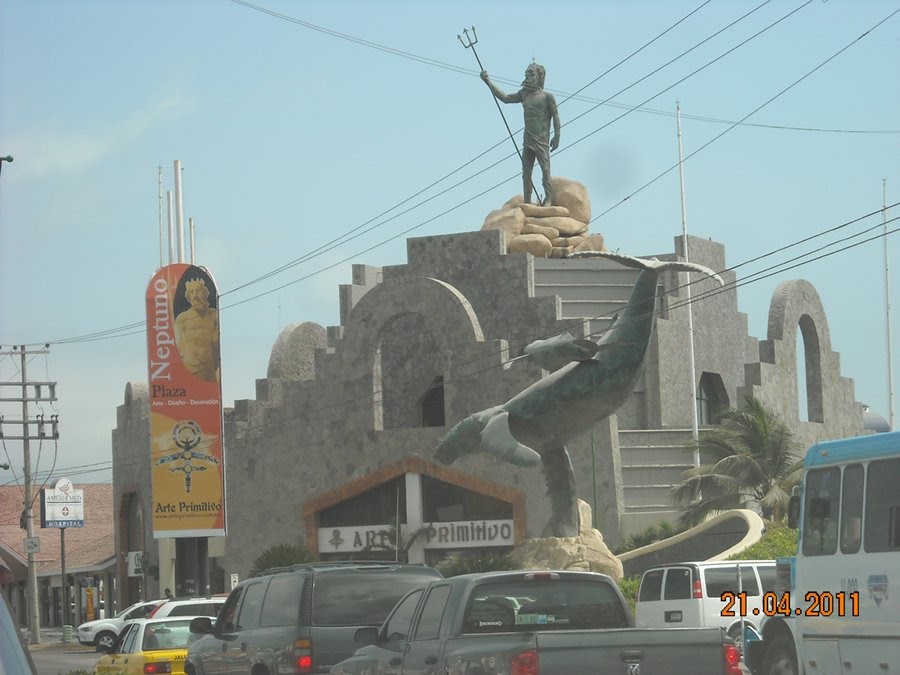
463, 563
281, 555
629, 587
778, 541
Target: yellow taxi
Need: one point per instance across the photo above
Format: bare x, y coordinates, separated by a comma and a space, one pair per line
148, 646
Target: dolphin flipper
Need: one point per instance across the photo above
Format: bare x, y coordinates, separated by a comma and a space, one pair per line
465, 437
651, 264
485, 431
553, 353
497, 440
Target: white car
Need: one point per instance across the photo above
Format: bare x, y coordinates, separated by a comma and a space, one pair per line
102, 633
189, 607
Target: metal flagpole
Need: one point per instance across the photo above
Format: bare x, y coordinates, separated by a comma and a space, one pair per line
887, 306
695, 431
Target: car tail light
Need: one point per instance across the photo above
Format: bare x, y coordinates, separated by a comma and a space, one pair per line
541, 576
160, 667
303, 661
732, 660
697, 590
526, 663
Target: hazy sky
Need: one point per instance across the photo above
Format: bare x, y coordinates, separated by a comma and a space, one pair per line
301, 126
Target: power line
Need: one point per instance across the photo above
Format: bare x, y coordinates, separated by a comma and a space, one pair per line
792, 263
575, 95
324, 413
135, 328
343, 238
750, 114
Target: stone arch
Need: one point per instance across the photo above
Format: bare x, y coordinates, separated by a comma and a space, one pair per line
447, 311
135, 391
796, 306
430, 306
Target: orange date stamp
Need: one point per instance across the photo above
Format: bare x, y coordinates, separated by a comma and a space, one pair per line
815, 603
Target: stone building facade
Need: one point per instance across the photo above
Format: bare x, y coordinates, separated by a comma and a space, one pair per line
337, 446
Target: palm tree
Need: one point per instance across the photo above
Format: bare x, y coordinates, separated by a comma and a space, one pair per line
281, 555
753, 461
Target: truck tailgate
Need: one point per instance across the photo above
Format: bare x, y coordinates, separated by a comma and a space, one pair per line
656, 651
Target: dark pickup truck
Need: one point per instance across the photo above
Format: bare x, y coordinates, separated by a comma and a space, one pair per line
527, 623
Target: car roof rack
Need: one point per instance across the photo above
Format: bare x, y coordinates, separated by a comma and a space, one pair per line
336, 563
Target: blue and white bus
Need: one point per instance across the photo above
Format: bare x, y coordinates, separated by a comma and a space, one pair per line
838, 610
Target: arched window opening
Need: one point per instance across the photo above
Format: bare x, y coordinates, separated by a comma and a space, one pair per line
405, 373
809, 372
712, 398
432, 404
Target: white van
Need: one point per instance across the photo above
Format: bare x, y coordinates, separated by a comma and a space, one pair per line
689, 595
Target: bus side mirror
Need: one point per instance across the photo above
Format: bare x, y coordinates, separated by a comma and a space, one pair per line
793, 512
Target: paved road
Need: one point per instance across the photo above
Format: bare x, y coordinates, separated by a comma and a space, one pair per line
63, 659
53, 657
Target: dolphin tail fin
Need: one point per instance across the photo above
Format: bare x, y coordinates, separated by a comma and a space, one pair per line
651, 264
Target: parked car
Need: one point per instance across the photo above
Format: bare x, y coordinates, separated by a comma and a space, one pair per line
305, 615
189, 607
561, 622
148, 646
102, 633
14, 654
697, 594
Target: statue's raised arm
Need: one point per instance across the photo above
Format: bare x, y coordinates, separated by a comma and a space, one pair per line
498, 93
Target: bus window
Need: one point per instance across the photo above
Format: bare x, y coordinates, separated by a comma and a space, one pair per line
882, 528
820, 513
851, 508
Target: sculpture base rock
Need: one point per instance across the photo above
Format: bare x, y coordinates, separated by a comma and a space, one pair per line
587, 552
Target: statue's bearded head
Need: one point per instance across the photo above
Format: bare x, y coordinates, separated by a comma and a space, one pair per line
197, 293
534, 76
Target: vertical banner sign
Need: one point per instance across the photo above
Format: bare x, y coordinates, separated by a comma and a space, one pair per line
187, 464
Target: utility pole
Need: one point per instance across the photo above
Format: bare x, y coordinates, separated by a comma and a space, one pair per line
30, 392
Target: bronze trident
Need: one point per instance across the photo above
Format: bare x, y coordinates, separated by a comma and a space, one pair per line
469, 43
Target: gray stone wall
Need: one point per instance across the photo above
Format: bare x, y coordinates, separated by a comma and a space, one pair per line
832, 411
131, 480
340, 404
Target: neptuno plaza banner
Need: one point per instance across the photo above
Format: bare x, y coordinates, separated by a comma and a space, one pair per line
187, 464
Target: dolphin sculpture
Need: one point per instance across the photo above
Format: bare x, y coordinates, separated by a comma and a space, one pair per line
591, 380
